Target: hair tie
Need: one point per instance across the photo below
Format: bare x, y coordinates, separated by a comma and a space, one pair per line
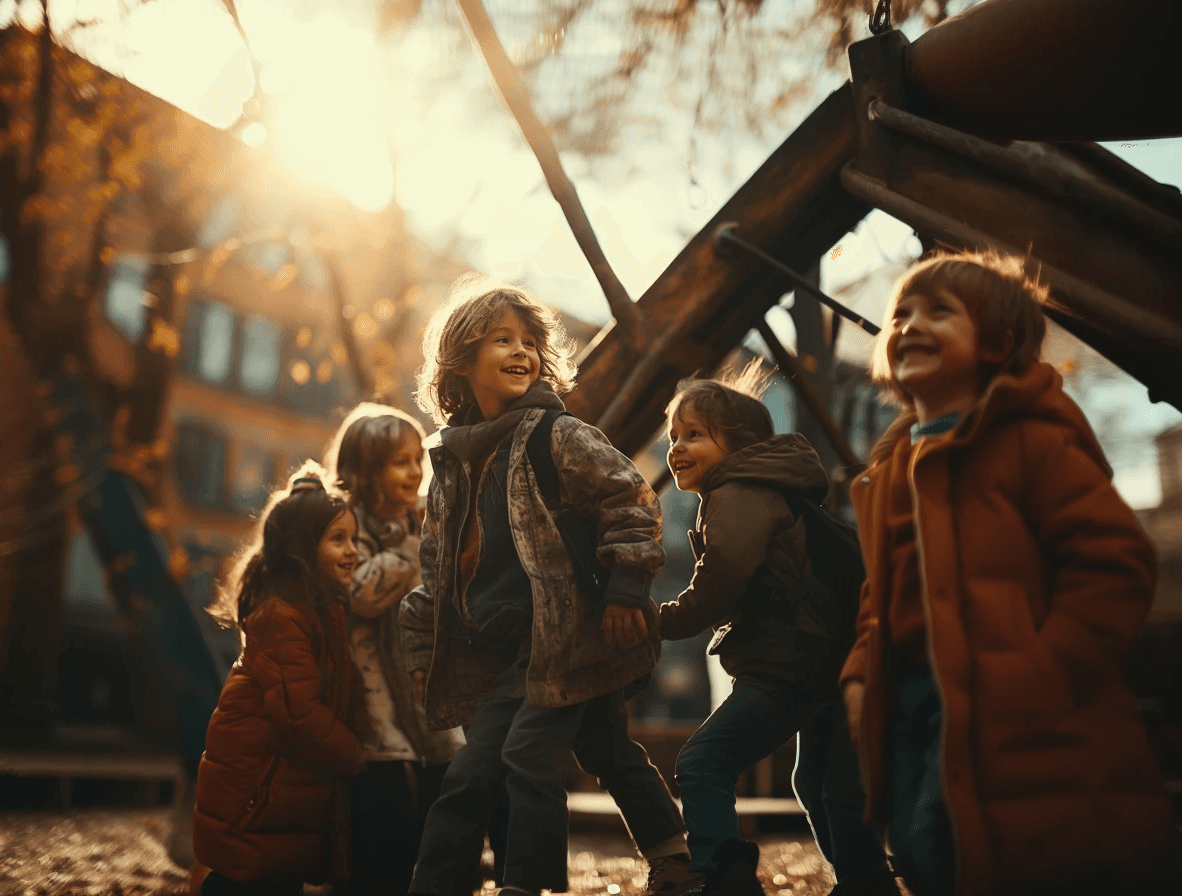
305, 483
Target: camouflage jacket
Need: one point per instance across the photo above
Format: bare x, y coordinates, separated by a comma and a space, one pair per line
570, 659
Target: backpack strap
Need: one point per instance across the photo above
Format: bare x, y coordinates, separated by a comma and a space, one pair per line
541, 457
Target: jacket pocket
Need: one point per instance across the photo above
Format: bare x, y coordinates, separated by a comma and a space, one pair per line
257, 805
1018, 678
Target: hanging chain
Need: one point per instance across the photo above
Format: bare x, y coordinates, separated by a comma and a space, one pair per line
880, 22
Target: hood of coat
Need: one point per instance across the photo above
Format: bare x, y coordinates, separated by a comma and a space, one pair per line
468, 435
1035, 394
781, 462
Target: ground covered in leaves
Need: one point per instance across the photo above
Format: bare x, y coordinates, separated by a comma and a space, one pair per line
121, 853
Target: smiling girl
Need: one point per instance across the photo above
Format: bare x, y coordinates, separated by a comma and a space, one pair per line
753, 586
377, 459
1006, 579
272, 788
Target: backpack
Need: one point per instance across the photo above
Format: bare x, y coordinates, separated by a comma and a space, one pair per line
835, 555
578, 531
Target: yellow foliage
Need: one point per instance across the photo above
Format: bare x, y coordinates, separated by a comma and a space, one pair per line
164, 338
178, 563
285, 277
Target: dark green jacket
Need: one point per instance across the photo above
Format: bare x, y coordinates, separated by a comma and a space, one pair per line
752, 583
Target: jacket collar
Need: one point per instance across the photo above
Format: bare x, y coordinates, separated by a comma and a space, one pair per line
469, 436
1035, 393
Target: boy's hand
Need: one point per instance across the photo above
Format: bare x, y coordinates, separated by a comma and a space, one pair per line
854, 693
418, 683
625, 626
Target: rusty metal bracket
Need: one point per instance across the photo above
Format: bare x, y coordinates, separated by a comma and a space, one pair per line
725, 237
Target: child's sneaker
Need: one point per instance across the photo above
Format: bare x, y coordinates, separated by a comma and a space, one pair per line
673, 876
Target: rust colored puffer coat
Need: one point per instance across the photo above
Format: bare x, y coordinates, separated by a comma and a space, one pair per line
1036, 576
272, 799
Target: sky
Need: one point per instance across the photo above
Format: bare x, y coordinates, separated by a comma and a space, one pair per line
417, 121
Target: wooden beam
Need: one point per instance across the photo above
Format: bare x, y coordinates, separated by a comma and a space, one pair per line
707, 300
800, 382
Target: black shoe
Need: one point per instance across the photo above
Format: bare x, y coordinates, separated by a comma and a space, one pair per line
880, 883
735, 863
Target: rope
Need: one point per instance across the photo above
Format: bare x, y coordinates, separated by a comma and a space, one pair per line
880, 22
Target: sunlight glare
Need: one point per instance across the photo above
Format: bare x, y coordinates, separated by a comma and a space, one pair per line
329, 120
254, 134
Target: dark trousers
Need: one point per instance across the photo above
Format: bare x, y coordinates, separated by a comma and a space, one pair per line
753, 722
606, 751
390, 805
216, 885
828, 784
920, 834
532, 745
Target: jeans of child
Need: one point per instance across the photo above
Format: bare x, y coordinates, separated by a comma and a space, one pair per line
388, 817
828, 784
606, 751
753, 722
528, 747
920, 833
217, 885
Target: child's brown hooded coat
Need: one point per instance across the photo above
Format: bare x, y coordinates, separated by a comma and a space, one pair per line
1036, 576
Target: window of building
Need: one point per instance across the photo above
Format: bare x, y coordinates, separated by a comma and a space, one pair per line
208, 340
259, 369
220, 224
85, 585
252, 479
217, 343
200, 459
124, 302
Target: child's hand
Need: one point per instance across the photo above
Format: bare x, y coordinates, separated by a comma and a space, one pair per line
625, 626
418, 681
854, 693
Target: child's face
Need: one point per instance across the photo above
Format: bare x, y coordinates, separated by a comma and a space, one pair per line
398, 482
932, 345
693, 452
506, 365
337, 554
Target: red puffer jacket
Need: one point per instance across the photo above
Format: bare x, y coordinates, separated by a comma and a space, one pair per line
272, 799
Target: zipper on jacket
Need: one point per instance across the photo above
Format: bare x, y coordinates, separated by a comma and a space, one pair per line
931, 650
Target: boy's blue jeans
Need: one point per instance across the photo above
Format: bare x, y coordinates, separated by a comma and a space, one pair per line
920, 834
753, 722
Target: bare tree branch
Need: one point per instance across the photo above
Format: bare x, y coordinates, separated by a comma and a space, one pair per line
517, 98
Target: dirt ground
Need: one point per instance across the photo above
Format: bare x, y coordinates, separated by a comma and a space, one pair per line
121, 853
